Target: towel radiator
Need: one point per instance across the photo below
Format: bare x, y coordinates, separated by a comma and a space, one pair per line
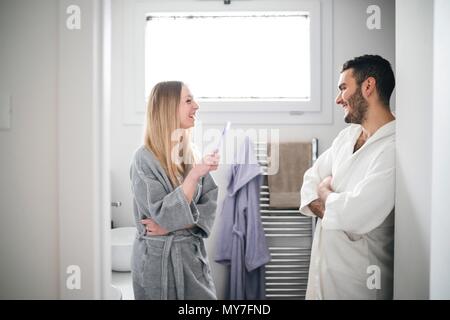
289, 236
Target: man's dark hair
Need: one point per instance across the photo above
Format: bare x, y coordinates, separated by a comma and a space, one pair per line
373, 66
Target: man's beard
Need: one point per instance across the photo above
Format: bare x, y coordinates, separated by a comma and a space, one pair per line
357, 108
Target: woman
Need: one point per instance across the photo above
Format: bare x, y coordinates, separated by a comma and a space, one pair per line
174, 202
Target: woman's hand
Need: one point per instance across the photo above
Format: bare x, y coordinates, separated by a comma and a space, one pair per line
209, 163
153, 229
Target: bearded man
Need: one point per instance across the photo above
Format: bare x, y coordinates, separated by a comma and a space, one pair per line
351, 189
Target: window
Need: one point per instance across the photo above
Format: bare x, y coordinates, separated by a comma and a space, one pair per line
245, 61
243, 56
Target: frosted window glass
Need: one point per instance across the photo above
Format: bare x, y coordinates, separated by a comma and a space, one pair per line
240, 56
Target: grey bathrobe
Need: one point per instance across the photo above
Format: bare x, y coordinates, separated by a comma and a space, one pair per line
174, 266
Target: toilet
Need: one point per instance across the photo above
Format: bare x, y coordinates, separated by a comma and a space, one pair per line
121, 247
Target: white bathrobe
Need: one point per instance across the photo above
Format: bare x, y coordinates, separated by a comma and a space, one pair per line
352, 250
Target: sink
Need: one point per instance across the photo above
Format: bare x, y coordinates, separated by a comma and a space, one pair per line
121, 247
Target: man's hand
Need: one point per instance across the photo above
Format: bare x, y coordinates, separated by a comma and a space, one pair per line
153, 229
324, 189
317, 207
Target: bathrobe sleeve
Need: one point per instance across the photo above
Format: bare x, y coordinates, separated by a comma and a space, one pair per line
312, 178
205, 207
257, 252
369, 203
169, 210
168, 207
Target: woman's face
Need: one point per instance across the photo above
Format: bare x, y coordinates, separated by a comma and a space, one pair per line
187, 109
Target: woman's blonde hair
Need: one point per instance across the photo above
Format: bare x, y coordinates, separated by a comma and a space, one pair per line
163, 136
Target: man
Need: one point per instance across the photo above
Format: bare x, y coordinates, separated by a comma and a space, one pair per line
351, 189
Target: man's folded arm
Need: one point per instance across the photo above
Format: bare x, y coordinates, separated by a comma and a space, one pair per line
311, 180
368, 205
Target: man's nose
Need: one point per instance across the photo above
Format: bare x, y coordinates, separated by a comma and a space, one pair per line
338, 99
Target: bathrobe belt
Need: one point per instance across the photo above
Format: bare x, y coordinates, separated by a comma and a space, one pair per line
177, 268
171, 248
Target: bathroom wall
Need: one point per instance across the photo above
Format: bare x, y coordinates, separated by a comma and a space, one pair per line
413, 198
51, 167
28, 150
422, 222
350, 38
83, 193
440, 219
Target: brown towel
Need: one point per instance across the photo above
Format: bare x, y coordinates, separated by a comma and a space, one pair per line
292, 160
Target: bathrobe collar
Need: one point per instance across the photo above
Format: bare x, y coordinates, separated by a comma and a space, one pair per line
384, 131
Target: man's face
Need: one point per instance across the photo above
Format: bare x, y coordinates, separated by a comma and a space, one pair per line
351, 98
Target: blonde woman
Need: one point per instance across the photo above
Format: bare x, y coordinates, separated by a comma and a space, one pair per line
174, 202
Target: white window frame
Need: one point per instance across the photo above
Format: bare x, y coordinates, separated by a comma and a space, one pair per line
253, 112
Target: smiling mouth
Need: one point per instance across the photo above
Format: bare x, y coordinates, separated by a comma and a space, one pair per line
192, 116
